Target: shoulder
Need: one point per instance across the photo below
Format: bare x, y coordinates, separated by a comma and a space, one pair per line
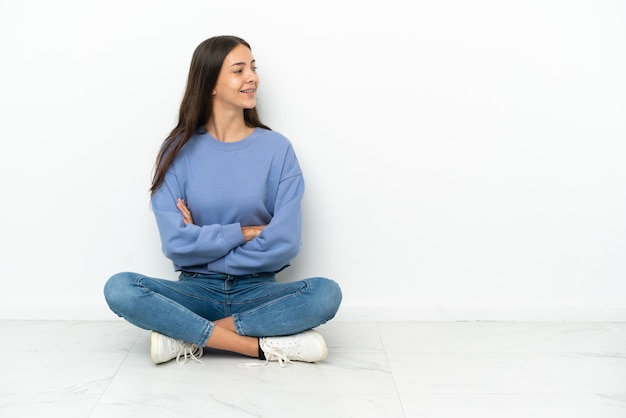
273, 138
192, 147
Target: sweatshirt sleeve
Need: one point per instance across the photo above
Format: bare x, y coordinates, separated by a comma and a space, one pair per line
281, 240
189, 244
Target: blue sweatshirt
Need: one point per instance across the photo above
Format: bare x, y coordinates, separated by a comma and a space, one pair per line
227, 185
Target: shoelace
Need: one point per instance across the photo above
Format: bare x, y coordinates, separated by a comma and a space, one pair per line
189, 350
273, 354
278, 355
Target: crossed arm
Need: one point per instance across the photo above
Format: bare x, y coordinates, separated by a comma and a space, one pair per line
249, 232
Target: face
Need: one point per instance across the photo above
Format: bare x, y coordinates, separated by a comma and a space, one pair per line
237, 82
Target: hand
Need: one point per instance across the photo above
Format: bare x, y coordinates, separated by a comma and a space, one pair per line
184, 210
251, 232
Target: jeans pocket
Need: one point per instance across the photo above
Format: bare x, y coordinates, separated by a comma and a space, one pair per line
186, 275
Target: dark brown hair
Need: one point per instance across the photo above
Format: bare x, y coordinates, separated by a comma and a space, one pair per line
197, 104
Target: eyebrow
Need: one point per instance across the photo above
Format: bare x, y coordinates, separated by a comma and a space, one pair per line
243, 63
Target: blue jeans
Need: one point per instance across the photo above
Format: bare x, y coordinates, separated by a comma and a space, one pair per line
185, 309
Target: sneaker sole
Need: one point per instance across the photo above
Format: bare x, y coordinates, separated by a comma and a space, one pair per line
154, 344
322, 344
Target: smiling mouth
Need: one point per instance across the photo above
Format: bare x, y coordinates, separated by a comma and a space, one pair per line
249, 91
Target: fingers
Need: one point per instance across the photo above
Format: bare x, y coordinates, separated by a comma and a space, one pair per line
182, 207
251, 232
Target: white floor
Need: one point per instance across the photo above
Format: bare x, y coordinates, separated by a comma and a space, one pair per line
381, 370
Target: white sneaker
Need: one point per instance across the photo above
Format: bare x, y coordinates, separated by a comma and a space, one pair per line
308, 346
164, 349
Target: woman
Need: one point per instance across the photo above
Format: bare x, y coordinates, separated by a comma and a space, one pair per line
226, 194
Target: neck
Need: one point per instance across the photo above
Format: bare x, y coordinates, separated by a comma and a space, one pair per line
228, 128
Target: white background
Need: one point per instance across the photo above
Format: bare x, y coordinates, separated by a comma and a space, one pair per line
464, 159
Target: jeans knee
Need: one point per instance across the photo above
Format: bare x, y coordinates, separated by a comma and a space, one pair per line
116, 290
330, 295
334, 293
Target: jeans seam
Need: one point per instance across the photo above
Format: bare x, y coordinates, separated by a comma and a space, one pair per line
209, 325
269, 304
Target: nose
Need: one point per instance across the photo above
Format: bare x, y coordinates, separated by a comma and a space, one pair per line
252, 76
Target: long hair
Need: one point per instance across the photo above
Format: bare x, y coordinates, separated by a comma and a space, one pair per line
197, 103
